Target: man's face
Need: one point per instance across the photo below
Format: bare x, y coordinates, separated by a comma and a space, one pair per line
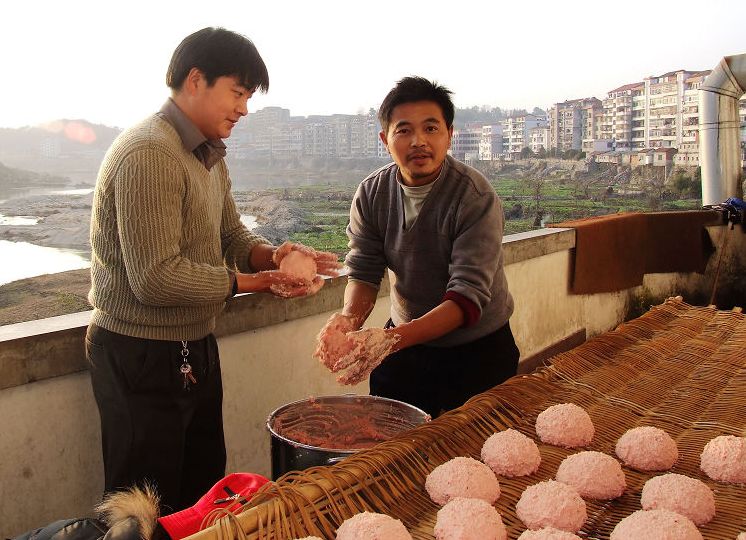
418, 140
217, 108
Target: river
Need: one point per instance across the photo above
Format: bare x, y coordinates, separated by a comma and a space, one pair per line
23, 260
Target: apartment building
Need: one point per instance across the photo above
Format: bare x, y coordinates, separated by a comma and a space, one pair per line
688, 148
491, 142
465, 143
539, 138
272, 133
573, 123
516, 132
665, 100
617, 120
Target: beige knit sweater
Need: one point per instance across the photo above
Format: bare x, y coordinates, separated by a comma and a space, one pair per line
164, 230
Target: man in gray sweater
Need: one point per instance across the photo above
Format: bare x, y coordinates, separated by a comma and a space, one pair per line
436, 224
168, 250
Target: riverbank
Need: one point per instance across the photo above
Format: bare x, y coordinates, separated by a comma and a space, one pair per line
44, 296
63, 222
64, 219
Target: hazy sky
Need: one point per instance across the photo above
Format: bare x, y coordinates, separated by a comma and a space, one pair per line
105, 61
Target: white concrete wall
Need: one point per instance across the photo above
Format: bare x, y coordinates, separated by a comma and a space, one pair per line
50, 449
50, 453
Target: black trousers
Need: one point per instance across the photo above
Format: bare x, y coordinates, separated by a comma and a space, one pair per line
152, 428
438, 379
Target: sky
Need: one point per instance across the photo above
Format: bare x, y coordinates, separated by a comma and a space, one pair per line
105, 61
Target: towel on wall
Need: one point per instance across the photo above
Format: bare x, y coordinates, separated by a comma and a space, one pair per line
614, 252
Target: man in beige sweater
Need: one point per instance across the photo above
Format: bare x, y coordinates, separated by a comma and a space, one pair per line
168, 250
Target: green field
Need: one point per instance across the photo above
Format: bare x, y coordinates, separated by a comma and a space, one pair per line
327, 207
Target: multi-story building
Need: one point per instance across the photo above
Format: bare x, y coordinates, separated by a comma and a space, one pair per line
364, 136
616, 124
516, 132
688, 154
465, 142
491, 142
665, 99
539, 138
272, 133
572, 123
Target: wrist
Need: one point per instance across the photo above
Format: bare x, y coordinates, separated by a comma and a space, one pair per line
260, 257
252, 282
356, 321
403, 338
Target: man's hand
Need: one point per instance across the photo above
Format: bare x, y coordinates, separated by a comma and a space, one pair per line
370, 347
286, 286
326, 262
278, 283
340, 346
333, 347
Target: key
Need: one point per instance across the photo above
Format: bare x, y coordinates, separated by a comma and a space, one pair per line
186, 371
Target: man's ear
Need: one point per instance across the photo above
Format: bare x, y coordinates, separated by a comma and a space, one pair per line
450, 135
192, 80
382, 136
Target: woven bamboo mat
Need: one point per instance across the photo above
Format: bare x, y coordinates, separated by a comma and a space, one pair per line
678, 367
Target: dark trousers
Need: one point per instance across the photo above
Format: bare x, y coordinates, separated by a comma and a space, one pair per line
152, 428
438, 379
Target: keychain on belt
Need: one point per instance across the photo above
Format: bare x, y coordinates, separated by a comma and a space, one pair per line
186, 367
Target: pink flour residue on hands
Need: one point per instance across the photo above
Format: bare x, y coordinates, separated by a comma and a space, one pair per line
340, 347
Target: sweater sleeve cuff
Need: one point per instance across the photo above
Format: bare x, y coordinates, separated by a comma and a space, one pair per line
233, 284
469, 308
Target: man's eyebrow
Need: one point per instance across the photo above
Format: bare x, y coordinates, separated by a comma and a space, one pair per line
239, 86
431, 120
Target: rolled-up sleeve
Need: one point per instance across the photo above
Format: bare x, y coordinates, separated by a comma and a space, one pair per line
366, 258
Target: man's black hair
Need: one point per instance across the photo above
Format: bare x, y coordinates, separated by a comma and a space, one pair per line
412, 89
218, 52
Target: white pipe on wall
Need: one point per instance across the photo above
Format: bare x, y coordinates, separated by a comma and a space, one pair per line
719, 140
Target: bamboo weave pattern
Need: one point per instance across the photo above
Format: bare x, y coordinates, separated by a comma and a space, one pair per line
678, 367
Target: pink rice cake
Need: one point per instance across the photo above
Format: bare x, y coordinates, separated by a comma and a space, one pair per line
594, 475
724, 459
647, 448
462, 477
548, 533
372, 526
469, 519
551, 504
566, 425
299, 265
689, 497
655, 525
510, 453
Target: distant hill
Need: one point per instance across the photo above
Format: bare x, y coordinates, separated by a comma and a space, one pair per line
60, 136
14, 181
65, 148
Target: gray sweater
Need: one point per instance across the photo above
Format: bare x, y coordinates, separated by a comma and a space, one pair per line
455, 244
164, 231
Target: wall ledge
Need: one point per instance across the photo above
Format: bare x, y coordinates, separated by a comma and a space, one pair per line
37, 350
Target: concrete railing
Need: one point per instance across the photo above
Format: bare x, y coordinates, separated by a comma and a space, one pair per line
49, 427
